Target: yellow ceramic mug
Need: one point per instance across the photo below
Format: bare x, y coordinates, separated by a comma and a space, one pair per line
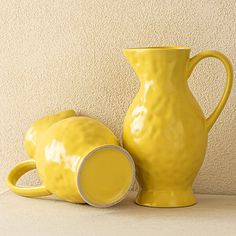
78, 159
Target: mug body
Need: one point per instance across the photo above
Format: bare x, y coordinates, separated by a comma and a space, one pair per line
80, 160
39, 127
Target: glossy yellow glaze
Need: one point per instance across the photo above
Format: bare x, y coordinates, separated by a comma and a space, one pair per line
67, 155
96, 172
165, 129
39, 127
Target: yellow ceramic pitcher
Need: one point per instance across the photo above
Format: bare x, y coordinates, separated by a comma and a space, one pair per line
78, 159
165, 129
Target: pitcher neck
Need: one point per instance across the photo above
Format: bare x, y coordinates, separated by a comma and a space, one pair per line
163, 66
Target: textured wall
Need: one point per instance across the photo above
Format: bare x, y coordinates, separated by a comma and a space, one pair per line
64, 54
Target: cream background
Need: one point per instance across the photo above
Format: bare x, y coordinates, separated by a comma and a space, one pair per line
214, 215
64, 54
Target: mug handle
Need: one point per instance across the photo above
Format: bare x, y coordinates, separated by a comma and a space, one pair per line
229, 81
15, 174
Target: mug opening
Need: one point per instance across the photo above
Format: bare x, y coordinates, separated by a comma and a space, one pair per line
158, 48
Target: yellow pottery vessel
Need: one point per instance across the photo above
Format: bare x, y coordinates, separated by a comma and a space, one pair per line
165, 129
78, 159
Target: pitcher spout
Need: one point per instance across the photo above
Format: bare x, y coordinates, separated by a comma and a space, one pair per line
159, 62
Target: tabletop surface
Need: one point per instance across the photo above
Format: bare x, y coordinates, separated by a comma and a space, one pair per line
213, 215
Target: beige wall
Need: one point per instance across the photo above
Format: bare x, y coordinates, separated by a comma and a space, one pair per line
64, 54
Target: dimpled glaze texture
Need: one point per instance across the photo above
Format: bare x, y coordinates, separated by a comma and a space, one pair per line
62, 148
39, 127
164, 129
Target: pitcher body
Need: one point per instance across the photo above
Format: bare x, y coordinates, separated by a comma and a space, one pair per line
165, 129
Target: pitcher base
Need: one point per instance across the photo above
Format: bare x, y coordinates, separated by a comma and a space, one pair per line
180, 198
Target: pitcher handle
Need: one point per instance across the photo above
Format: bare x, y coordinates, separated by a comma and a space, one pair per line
229, 80
15, 174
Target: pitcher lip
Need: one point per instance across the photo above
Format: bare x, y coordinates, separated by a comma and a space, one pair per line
158, 48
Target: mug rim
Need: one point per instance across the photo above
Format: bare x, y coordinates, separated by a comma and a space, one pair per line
158, 48
132, 165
